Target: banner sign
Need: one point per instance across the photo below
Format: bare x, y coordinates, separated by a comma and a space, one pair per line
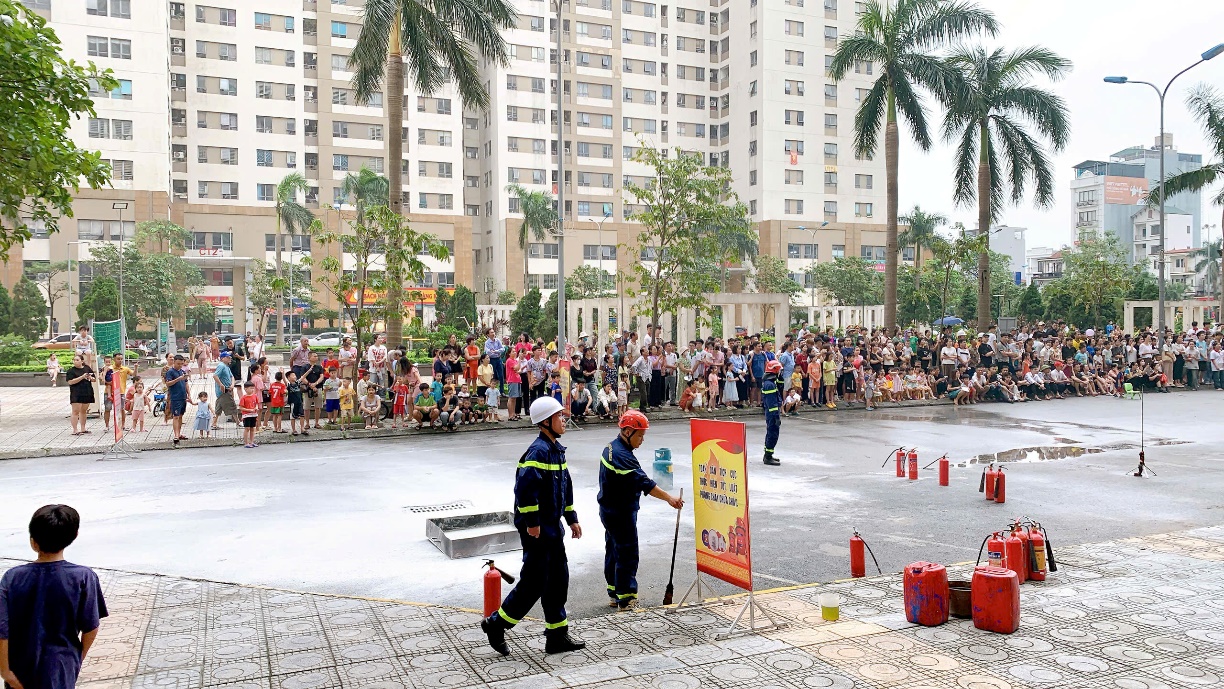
1131, 191
720, 501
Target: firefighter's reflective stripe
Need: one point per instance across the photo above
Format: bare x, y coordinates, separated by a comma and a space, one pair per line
529, 508
557, 625
506, 617
608, 465
569, 508
544, 467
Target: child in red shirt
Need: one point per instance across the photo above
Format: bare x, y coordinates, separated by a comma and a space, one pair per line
248, 406
276, 401
399, 409
331, 364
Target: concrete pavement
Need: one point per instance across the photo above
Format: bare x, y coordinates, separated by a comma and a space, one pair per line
1135, 613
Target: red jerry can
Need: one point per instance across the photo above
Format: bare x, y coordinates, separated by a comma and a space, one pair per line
900, 462
995, 596
913, 465
926, 593
943, 471
1014, 557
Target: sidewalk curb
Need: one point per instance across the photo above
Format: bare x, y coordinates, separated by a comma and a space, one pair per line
664, 414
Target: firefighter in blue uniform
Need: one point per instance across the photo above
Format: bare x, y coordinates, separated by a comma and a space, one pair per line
771, 400
543, 496
621, 484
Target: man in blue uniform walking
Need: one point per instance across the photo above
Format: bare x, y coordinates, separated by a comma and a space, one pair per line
771, 400
621, 484
543, 495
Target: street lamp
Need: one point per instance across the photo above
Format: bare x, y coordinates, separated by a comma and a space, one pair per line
599, 224
813, 230
71, 283
557, 4
1161, 93
121, 206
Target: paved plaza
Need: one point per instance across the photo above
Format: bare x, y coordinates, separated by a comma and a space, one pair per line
1136, 613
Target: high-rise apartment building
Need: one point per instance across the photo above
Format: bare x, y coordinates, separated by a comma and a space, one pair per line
219, 100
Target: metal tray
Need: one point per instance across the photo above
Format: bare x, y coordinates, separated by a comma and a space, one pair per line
471, 535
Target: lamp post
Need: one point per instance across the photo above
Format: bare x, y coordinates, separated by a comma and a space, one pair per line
71, 284
121, 206
560, 195
1161, 94
599, 224
807, 276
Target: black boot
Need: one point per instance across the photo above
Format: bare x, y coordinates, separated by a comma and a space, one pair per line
495, 628
560, 641
771, 460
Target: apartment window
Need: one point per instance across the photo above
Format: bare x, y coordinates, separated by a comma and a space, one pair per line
219, 277
863, 67
98, 46
123, 91
227, 17
752, 207
793, 177
536, 250
830, 151
863, 182
229, 190
794, 206
263, 56
794, 57
830, 211
830, 92
121, 9
830, 121
263, 89
340, 161
121, 169
792, 88
263, 124
907, 253
1086, 198
830, 179
229, 156
339, 30
99, 128
794, 146
863, 210
793, 28
794, 117
227, 52
263, 158
375, 132
752, 58
839, 251
227, 87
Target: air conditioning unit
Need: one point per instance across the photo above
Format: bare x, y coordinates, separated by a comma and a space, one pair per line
180, 155
178, 50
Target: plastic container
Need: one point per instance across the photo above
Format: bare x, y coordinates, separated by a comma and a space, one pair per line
926, 593
996, 600
830, 606
960, 603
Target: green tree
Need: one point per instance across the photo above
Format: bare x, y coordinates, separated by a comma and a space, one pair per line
506, 298
687, 208
589, 282
527, 314
6, 310
29, 315
264, 289
99, 301
202, 315
1000, 120
770, 276
291, 217
900, 38
1207, 262
1096, 273
1207, 106
441, 308
539, 210
46, 274
438, 42
43, 94
461, 314
1030, 307
733, 243
849, 281
546, 327
156, 285
923, 234
952, 257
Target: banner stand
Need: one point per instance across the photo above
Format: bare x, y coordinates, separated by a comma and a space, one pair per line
119, 450
704, 594
706, 597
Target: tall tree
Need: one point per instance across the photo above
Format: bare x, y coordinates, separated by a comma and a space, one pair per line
900, 38
291, 217
6, 310
770, 276
99, 301
687, 207
1030, 308
539, 209
849, 281
526, 314
264, 288
42, 93
1207, 106
589, 282
1207, 262
439, 41
46, 274
1095, 271
922, 234
1001, 122
29, 316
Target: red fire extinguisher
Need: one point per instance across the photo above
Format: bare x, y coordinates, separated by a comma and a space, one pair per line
900, 462
1026, 552
994, 550
943, 470
1037, 553
913, 464
988, 480
492, 587
1013, 556
858, 563
1001, 488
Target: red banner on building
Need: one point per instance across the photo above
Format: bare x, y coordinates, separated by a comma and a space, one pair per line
720, 504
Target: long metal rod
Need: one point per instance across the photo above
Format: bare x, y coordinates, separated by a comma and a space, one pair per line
560, 197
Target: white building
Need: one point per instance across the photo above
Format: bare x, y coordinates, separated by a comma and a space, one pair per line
1147, 233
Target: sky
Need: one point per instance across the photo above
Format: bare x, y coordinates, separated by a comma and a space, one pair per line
1144, 40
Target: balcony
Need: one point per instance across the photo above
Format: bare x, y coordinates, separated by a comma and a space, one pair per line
310, 71
178, 129
179, 166
312, 105
310, 5
178, 94
178, 23
178, 59
312, 139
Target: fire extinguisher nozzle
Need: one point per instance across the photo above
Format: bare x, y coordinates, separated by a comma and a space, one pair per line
506, 577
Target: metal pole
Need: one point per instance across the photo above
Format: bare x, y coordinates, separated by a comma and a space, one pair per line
121, 206
1163, 230
560, 197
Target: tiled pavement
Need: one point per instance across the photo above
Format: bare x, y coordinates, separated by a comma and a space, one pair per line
1133, 614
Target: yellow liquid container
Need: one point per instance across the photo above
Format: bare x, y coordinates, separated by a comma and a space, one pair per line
830, 606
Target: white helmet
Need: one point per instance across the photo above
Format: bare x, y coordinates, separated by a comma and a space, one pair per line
544, 409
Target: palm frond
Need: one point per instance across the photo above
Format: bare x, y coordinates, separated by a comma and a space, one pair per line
1022, 63
1191, 181
869, 120
368, 61
1047, 111
965, 175
1207, 106
940, 23
912, 110
851, 49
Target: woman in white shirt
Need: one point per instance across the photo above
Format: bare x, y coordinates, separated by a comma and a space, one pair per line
947, 359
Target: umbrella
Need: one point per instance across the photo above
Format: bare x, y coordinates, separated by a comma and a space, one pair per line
949, 320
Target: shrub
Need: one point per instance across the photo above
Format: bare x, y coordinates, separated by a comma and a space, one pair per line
14, 350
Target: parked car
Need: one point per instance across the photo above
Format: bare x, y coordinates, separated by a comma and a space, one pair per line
61, 341
329, 339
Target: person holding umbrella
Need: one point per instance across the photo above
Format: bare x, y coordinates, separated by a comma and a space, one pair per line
622, 482
543, 495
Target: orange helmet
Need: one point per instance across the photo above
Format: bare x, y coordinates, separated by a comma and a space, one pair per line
773, 366
634, 420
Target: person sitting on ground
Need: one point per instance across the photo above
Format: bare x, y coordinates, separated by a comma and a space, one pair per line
371, 405
425, 408
580, 401
1058, 381
688, 397
605, 403
955, 390
448, 409
790, 405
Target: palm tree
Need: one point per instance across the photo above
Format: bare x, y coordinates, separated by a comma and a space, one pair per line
368, 190
1207, 106
1209, 265
439, 41
293, 217
992, 110
899, 38
539, 211
921, 235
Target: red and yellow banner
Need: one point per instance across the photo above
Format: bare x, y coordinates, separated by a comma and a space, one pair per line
412, 296
720, 504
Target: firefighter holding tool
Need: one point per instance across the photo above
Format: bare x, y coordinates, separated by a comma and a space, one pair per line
771, 400
543, 496
621, 484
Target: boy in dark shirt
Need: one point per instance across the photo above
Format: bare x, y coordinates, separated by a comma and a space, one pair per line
297, 413
50, 609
